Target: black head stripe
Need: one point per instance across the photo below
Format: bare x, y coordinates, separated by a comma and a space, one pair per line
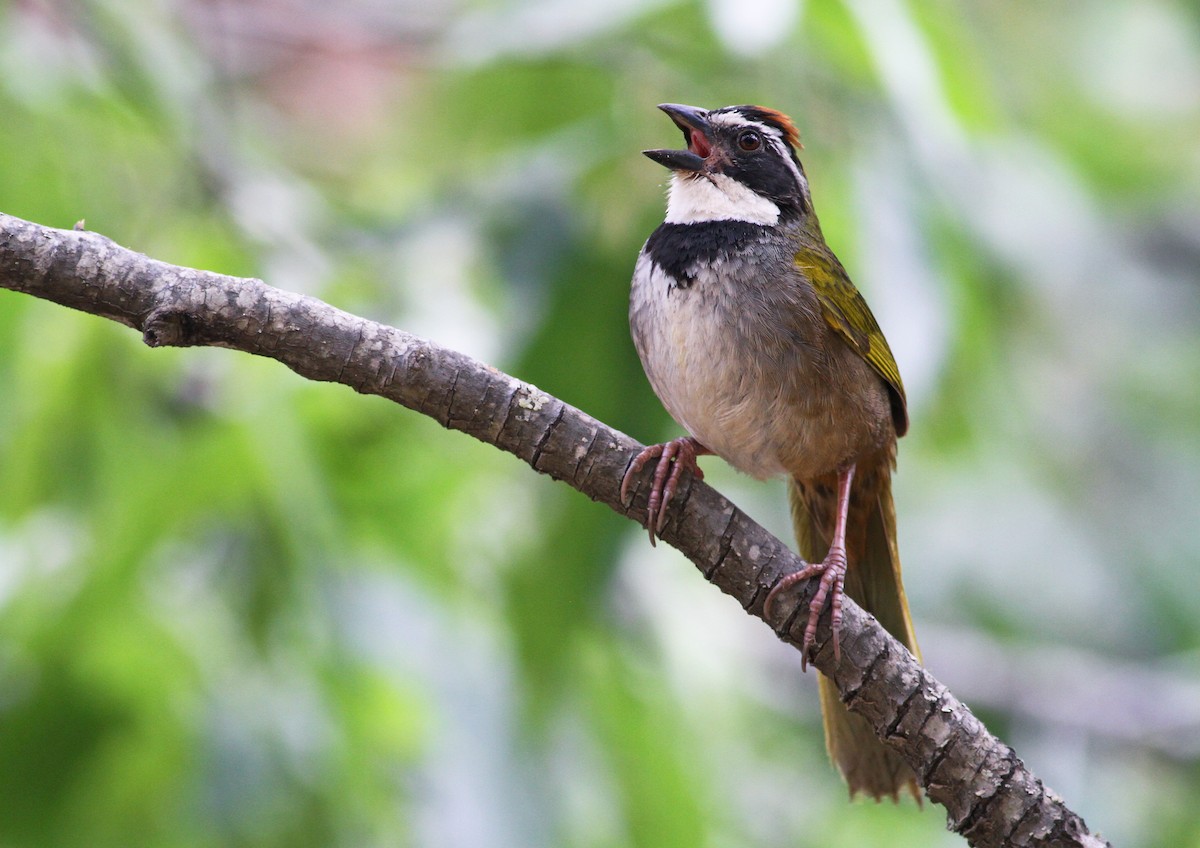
770, 118
772, 171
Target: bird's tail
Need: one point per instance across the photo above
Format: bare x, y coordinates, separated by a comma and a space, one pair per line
873, 581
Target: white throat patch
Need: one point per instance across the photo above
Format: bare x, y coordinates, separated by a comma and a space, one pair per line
716, 197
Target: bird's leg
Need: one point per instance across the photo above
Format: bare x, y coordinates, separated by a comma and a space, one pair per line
673, 457
833, 575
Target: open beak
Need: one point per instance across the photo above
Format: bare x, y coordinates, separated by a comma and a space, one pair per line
694, 124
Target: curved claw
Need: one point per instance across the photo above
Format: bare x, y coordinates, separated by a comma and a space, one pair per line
674, 457
831, 588
639, 462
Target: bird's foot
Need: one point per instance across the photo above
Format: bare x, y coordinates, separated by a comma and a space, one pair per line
831, 588
673, 458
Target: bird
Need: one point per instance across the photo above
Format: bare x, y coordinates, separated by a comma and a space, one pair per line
758, 344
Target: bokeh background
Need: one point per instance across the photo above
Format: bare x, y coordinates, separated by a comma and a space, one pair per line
240, 609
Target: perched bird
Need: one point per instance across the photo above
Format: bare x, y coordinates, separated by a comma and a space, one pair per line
760, 347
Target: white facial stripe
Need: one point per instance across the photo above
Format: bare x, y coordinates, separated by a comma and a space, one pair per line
780, 147
716, 197
772, 134
733, 119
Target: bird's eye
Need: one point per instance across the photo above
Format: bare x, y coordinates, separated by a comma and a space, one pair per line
749, 140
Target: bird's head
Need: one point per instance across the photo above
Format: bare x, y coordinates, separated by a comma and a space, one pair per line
740, 164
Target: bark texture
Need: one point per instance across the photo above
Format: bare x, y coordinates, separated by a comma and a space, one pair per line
991, 798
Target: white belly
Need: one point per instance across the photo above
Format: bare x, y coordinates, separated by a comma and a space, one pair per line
711, 374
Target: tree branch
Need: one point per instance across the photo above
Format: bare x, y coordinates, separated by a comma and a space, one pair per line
990, 797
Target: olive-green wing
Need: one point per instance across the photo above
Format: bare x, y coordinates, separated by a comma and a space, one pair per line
848, 314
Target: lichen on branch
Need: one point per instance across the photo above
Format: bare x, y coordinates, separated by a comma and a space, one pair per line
991, 798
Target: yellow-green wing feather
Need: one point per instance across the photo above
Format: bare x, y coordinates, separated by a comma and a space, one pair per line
848, 314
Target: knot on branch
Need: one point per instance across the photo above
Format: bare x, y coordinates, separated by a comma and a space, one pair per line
168, 326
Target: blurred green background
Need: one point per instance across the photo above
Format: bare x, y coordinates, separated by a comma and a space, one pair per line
237, 608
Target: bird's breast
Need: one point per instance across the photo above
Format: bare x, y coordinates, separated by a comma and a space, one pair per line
734, 346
